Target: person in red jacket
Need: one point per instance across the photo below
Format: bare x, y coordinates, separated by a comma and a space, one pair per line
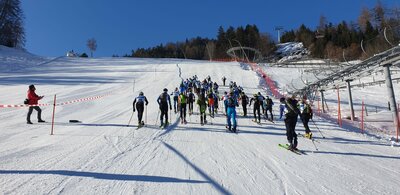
33, 99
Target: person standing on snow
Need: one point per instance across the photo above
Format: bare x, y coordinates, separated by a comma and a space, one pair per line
232, 103
223, 80
211, 104
281, 107
306, 115
163, 102
33, 99
291, 113
245, 101
139, 103
191, 100
176, 95
268, 108
182, 102
202, 102
224, 98
256, 108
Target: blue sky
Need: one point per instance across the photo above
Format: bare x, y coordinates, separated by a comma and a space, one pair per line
54, 27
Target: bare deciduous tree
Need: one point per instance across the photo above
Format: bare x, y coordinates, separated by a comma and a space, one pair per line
92, 45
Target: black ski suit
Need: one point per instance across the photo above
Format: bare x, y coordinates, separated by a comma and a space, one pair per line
245, 101
291, 114
256, 108
163, 101
140, 101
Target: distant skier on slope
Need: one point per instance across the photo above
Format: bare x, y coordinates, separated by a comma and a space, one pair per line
139, 103
33, 99
223, 80
163, 102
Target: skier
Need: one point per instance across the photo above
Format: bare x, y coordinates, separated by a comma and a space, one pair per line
245, 101
182, 102
191, 100
224, 98
163, 102
291, 113
261, 98
216, 102
231, 114
176, 95
268, 108
306, 115
202, 102
211, 104
256, 108
223, 80
33, 99
281, 107
140, 101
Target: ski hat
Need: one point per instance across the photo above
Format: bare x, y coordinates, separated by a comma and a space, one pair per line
141, 93
165, 89
32, 87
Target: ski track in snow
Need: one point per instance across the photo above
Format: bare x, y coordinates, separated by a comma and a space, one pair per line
101, 155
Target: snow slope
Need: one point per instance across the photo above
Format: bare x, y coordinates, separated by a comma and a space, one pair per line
102, 155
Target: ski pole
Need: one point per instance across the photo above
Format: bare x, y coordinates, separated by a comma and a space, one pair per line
314, 144
130, 120
145, 119
318, 128
158, 114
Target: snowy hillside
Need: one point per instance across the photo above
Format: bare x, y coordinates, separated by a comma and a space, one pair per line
101, 155
291, 51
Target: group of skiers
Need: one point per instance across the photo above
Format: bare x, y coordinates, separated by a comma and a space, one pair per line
208, 97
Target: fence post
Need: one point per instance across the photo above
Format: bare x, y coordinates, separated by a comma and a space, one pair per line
339, 112
54, 111
362, 117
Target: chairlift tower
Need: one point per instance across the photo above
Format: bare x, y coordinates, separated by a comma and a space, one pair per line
279, 28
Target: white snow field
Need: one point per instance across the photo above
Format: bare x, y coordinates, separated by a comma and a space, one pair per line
101, 155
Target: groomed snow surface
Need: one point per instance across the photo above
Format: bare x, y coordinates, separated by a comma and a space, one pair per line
101, 155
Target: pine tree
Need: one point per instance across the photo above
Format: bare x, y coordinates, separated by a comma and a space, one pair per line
12, 33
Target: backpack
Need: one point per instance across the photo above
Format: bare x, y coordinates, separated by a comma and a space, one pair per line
269, 102
163, 98
231, 102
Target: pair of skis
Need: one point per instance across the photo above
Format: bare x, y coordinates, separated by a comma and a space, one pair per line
296, 151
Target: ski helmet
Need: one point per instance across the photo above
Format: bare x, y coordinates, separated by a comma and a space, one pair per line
165, 89
141, 93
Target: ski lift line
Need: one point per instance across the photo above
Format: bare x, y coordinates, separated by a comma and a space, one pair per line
58, 104
389, 56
